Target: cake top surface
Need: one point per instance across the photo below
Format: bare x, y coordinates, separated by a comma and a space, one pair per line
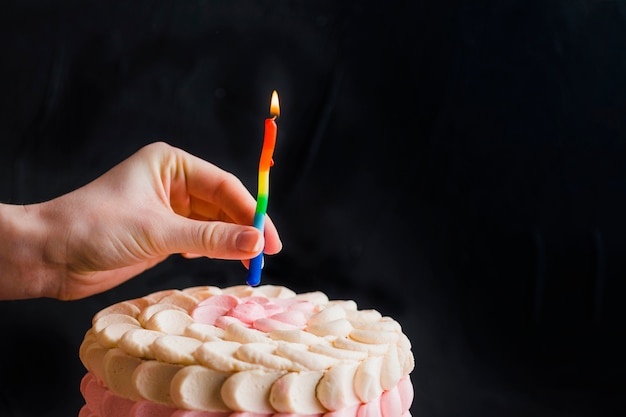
267, 331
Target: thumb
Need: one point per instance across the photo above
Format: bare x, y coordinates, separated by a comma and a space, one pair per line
213, 239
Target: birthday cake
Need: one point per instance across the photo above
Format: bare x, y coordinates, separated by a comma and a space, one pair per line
244, 351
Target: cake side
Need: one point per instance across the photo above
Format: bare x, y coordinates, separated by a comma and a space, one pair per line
261, 350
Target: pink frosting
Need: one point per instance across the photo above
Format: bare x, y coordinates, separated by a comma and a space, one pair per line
345, 412
190, 413
208, 314
148, 409
260, 313
100, 402
223, 300
114, 405
405, 390
85, 412
391, 403
371, 409
92, 392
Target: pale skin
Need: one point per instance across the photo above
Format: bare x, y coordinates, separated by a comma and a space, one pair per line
158, 202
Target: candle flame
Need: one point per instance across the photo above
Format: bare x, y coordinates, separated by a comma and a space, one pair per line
275, 106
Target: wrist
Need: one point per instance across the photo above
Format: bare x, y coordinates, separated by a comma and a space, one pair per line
23, 236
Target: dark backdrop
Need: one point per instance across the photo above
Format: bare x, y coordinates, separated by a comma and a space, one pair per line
457, 165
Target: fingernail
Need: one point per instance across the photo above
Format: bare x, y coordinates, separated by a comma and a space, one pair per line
248, 242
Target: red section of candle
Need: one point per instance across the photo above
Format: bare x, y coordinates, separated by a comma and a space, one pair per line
269, 141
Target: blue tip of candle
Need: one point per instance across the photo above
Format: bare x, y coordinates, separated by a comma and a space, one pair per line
253, 280
254, 271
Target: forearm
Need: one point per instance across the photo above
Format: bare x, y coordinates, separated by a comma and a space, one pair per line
23, 271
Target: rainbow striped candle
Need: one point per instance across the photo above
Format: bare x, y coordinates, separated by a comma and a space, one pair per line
266, 161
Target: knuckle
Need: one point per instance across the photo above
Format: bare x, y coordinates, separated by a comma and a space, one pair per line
212, 237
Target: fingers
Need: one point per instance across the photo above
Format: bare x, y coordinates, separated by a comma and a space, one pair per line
205, 183
203, 210
212, 239
212, 193
212, 210
273, 244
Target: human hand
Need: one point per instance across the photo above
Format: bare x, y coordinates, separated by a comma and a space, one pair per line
159, 201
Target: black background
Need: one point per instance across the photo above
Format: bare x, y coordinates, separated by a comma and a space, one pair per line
457, 165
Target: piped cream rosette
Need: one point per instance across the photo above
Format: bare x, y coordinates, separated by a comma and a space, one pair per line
260, 350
